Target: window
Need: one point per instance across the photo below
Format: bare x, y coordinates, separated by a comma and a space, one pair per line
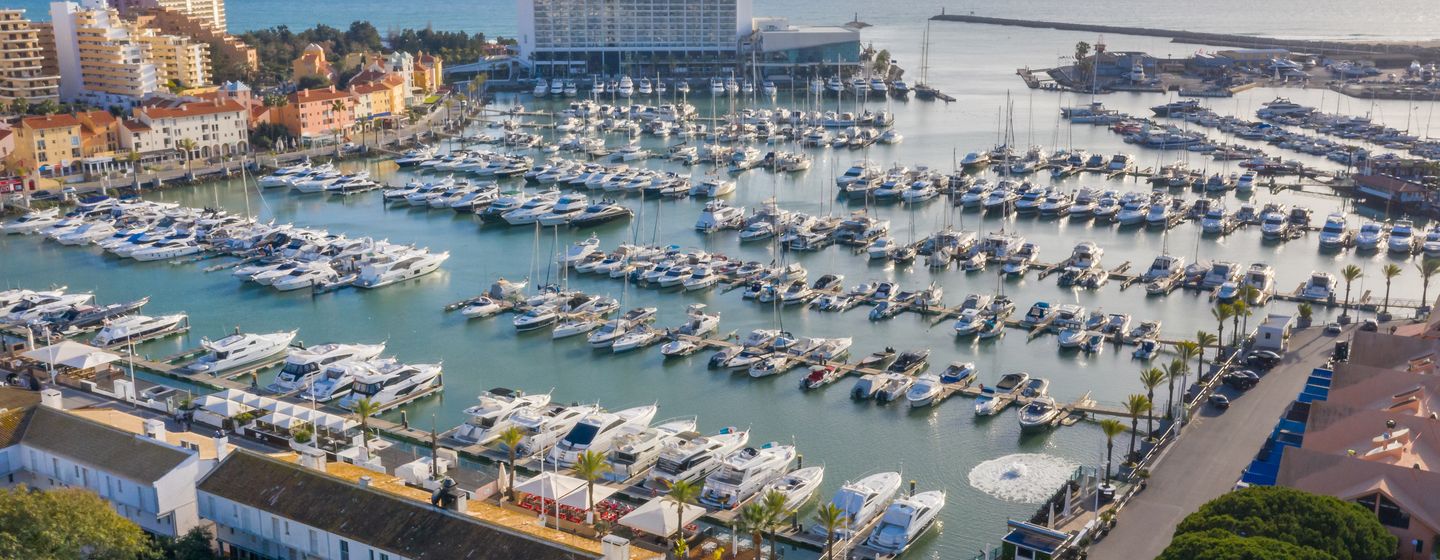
344, 549
384, 556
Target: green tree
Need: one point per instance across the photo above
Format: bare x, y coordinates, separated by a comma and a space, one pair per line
1135, 405
1177, 368
590, 466
312, 82
1151, 378
1221, 313
755, 520
66, 523
187, 146
832, 518
683, 492
1427, 268
1238, 309
1350, 273
1390, 272
1111, 428
1216, 544
1203, 339
778, 510
193, 545
365, 408
511, 439
1329, 526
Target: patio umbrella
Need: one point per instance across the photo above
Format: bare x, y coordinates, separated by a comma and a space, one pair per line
579, 499
550, 486
56, 354
91, 360
657, 517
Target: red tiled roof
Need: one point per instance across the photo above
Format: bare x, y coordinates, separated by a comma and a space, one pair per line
51, 121
135, 126
196, 108
314, 95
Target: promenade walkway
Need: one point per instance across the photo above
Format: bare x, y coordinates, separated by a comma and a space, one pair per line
1211, 453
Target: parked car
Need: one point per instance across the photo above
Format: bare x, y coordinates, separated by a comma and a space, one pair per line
1263, 359
1243, 380
1332, 328
1219, 401
1369, 325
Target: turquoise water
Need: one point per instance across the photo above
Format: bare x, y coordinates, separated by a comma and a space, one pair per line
937, 448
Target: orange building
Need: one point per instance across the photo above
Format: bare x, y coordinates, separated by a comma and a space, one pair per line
429, 73
317, 113
312, 63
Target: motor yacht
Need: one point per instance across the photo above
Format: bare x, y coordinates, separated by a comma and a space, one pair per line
1370, 237
397, 267
905, 520
635, 451
486, 420
597, 432
305, 275
542, 427
744, 473
924, 391
1402, 238
1320, 287
238, 350
32, 222
1040, 414
1335, 234
138, 328
392, 384
303, 365
690, 457
995, 398
861, 502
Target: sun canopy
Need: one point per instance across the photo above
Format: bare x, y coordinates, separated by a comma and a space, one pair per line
657, 517
550, 485
57, 354
92, 360
579, 500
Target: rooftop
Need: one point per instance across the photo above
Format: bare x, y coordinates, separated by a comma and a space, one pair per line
85, 440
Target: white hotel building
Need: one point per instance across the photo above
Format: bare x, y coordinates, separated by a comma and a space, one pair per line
636, 37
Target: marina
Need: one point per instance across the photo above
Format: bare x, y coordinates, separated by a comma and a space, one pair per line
750, 158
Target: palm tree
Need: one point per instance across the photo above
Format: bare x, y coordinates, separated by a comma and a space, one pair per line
188, 146
1187, 349
1151, 378
511, 439
365, 409
1350, 273
832, 518
337, 106
1237, 310
590, 466
682, 492
754, 519
1426, 268
1390, 272
1111, 427
777, 508
1177, 367
1134, 407
1203, 339
1221, 313
133, 158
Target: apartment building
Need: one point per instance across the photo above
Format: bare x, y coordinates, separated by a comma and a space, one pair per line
580, 37
106, 61
48, 144
317, 113
147, 479
22, 57
215, 128
209, 12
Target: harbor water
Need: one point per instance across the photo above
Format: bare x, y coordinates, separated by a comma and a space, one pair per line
939, 447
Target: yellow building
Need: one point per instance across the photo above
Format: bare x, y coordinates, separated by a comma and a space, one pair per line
379, 99
209, 12
176, 59
429, 73
47, 144
312, 63
22, 73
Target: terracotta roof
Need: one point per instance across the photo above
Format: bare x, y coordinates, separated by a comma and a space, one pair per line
51, 121
314, 95
135, 126
392, 523
1348, 478
371, 87
368, 76
197, 108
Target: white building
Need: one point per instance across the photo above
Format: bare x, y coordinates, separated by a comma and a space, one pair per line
149, 481
636, 37
267, 508
218, 128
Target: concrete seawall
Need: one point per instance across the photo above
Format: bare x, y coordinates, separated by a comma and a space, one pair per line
1396, 53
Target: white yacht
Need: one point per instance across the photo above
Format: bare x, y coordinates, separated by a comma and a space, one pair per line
905, 521
486, 420
691, 456
1335, 234
391, 268
1039, 414
168, 249
239, 350
861, 501
1402, 238
303, 365
597, 431
304, 276
924, 391
635, 451
392, 385
1370, 237
32, 222
1319, 287
744, 472
338, 379
543, 427
797, 487
138, 328
1261, 276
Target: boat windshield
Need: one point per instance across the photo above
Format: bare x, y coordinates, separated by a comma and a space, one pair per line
369, 389
730, 476
293, 370
582, 434
623, 458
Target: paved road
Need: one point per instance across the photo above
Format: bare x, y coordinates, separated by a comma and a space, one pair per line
1208, 458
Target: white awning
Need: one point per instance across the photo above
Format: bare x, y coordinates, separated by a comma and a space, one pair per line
579, 498
550, 485
657, 517
56, 354
91, 360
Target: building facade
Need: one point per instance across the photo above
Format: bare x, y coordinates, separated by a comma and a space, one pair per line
22, 56
210, 12
145, 478
214, 128
312, 64
105, 60
317, 114
48, 144
561, 38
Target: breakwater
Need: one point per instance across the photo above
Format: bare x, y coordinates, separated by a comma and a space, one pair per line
1380, 52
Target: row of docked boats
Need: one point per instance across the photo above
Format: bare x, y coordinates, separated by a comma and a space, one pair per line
307, 178
655, 456
55, 314
292, 258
